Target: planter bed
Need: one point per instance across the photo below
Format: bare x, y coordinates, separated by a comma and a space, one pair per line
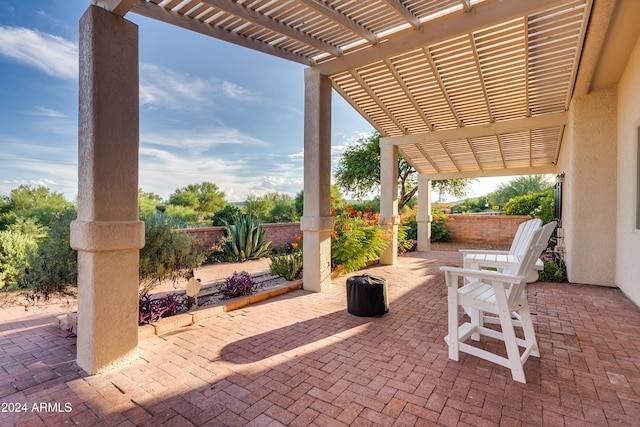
210, 304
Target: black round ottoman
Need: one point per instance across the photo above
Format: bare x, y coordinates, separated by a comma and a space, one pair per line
367, 296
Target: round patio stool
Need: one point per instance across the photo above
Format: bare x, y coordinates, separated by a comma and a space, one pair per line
367, 296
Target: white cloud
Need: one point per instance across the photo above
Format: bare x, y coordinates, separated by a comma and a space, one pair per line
282, 184
52, 168
51, 54
163, 87
199, 141
239, 93
162, 171
299, 156
46, 112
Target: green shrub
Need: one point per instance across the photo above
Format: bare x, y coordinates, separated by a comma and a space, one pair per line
167, 254
245, 240
29, 227
439, 225
409, 222
546, 209
357, 238
16, 252
55, 265
185, 214
288, 264
554, 271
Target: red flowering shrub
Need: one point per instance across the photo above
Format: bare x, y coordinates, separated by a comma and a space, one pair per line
357, 238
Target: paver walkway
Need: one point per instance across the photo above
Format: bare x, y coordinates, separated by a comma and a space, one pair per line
300, 359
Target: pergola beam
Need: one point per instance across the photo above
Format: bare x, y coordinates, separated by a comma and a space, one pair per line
117, 7
404, 12
485, 15
264, 21
158, 13
408, 93
342, 19
443, 88
508, 126
378, 101
488, 173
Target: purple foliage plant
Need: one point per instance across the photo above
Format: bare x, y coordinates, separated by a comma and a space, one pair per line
238, 284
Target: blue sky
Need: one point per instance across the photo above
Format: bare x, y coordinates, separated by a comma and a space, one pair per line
210, 110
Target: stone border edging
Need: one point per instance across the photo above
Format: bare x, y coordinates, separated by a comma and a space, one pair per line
172, 323
69, 321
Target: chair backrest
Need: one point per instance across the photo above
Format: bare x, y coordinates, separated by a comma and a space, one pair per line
523, 236
522, 241
539, 241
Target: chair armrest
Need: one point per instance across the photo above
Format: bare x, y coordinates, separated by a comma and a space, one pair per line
483, 274
539, 265
481, 251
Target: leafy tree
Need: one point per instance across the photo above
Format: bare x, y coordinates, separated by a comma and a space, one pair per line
359, 173
337, 200
272, 207
26, 201
476, 204
29, 227
454, 187
229, 213
519, 186
258, 206
299, 203
185, 214
204, 198
148, 202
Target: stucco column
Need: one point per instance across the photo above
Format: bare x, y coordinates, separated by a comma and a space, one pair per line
107, 233
424, 218
389, 218
316, 222
589, 159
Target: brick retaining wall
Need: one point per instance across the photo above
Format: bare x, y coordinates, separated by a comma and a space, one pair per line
279, 234
489, 229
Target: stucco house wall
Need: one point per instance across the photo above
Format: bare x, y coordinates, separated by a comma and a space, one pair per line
588, 158
628, 236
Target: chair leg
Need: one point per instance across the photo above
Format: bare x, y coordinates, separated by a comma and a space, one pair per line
452, 339
513, 353
527, 326
477, 319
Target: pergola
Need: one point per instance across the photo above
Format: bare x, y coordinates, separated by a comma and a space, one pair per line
459, 88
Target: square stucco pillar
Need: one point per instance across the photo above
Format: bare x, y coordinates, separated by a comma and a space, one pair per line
424, 218
589, 160
316, 222
107, 233
389, 218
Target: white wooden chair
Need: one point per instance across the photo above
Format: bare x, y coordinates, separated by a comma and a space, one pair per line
500, 294
520, 243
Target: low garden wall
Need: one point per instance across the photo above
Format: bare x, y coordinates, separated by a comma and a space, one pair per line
489, 229
279, 234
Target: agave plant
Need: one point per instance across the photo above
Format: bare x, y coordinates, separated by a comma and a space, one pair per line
245, 239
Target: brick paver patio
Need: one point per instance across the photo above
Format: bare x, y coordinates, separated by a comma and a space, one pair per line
300, 359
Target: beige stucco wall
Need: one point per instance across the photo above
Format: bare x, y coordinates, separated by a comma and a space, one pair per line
588, 158
628, 237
